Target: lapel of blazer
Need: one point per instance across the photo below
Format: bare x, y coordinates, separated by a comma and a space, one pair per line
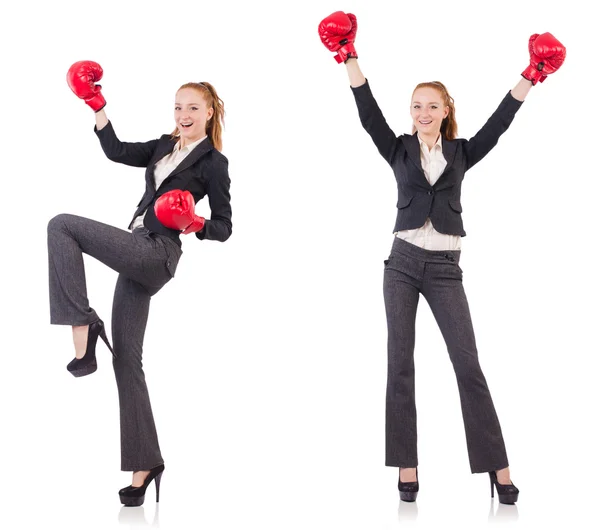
165, 147
411, 143
449, 151
199, 151
413, 149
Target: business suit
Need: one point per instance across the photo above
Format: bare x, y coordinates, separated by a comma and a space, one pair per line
146, 259
411, 270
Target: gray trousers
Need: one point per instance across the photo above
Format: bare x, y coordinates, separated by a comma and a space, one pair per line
411, 270
145, 261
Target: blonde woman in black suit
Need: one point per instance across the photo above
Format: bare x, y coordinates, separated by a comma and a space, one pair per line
181, 168
429, 168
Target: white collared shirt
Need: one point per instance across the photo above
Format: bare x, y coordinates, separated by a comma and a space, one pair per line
164, 167
427, 237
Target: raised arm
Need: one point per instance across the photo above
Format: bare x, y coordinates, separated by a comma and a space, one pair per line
487, 137
338, 32
546, 55
136, 154
370, 114
81, 78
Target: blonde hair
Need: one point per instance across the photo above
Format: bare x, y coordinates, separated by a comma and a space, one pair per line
449, 128
214, 126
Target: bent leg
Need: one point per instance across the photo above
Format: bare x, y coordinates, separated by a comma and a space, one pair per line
69, 237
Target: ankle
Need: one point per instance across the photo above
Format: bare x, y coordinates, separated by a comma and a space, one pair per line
139, 477
503, 476
408, 474
80, 336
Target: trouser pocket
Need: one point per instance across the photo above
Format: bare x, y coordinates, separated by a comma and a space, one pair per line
172, 255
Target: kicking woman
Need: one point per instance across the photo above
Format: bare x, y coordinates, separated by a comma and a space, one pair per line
181, 168
429, 167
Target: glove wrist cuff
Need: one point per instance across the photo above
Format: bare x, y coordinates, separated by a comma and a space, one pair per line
196, 225
532, 74
347, 51
97, 103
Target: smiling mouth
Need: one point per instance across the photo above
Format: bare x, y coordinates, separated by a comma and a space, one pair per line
425, 123
186, 126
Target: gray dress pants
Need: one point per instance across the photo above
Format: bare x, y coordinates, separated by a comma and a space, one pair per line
409, 271
145, 261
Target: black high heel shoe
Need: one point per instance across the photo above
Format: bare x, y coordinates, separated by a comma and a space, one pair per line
409, 490
507, 493
134, 496
87, 364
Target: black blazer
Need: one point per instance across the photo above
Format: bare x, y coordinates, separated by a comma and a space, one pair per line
202, 172
417, 199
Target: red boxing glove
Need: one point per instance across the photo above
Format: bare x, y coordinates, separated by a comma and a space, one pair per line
81, 78
546, 56
337, 32
175, 210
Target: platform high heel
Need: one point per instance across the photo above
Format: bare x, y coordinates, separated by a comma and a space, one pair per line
134, 496
408, 490
507, 493
87, 364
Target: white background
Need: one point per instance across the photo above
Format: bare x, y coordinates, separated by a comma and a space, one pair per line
266, 355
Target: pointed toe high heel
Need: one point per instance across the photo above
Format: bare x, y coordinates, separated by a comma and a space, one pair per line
507, 493
87, 364
408, 490
134, 496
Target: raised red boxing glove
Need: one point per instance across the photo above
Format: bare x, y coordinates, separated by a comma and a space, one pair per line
175, 210
546, 54
338, 32
81, 78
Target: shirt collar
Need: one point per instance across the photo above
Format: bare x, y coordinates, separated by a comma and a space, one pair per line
188, 147
423, 144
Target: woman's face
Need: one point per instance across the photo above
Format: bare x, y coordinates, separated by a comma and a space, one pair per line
427, 111
190, 108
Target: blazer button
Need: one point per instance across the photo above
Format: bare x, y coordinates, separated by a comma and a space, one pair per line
168, 263
430, 192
